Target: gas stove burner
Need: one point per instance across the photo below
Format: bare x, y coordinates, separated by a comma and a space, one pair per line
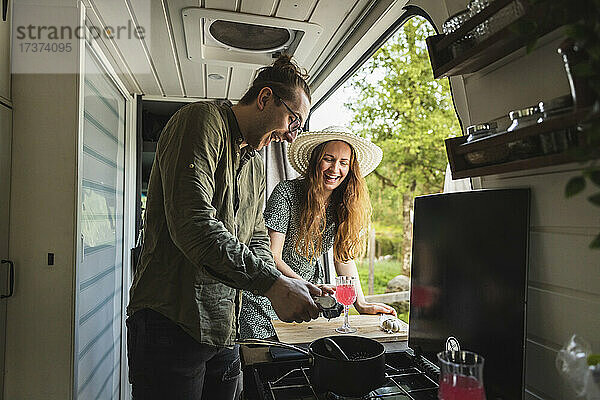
406, 379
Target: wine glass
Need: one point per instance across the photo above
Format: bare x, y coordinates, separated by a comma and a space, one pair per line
345, 293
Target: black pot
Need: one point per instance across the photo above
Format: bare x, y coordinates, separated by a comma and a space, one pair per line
362, 373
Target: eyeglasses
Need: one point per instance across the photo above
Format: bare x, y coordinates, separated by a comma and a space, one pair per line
295, 126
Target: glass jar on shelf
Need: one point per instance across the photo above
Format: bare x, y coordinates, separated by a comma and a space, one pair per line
480, 131
528, 146
451, 25
503, 17
524, 117
556, 141
475, 7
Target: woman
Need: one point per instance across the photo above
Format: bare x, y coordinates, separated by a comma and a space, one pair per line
327, 207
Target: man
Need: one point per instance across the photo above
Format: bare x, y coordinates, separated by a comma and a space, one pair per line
205, 239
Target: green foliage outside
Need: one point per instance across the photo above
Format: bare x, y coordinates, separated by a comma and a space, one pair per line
388, 241
408, 114
384, 272
403, 317
399, 106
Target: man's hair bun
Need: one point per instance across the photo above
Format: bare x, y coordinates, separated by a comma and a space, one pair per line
283, 77
286, 64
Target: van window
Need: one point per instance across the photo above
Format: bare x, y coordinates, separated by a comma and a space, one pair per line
394, 100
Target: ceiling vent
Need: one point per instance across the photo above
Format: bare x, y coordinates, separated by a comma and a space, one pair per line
238, 39
248, 37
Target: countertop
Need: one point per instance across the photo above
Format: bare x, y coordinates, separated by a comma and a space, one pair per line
293, 333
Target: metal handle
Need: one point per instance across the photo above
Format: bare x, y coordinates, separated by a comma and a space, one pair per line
4, 9
12, 278
334, 349
82, 248
266, 342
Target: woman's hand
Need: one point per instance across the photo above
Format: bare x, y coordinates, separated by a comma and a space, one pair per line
374, 308
326, 289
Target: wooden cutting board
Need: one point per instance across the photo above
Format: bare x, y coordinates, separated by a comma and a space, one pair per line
306, 332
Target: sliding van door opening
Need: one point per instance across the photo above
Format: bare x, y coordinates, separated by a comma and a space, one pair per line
100, 269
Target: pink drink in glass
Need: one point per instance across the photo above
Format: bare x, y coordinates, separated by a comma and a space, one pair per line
460, 387
345, 294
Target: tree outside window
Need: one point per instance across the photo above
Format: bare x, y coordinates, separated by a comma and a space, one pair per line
394, 100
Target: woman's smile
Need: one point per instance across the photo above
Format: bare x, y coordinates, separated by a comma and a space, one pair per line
335, 163
331, 178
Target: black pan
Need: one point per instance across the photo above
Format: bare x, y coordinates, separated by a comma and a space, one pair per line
363, 372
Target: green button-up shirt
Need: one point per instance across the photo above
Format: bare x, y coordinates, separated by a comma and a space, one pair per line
205, 236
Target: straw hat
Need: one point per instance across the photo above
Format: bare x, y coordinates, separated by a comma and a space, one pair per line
368, 154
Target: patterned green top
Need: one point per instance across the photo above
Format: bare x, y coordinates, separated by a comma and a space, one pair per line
282, 214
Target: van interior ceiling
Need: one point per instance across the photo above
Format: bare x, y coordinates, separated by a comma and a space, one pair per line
81, 115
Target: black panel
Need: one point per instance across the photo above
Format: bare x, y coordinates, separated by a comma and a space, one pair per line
469, 279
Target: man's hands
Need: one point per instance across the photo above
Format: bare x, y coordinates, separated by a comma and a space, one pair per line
292, 299
326, 289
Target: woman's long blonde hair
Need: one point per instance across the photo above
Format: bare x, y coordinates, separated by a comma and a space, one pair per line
351, 202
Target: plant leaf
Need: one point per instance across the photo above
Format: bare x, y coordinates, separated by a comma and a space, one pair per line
593, 359
574, 186
595, 199
595, 244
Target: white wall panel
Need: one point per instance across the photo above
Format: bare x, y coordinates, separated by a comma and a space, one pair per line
217, 89
295, 9
550, 207
336, 17
261, 7
563, 294
114, 13
240, 82
159, 45
556, 316
552, 261
42, 218
541, 375
522, 82
220, 4
114, 56
193, 77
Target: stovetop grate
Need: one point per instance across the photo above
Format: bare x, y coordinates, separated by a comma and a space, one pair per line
401, 384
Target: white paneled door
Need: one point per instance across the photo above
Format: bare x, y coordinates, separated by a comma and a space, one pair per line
5, 160
100, 261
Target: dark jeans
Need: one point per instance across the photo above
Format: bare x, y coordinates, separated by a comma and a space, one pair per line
167, 363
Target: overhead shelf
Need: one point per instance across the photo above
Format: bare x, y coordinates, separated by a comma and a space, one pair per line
484, 53
504, 152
